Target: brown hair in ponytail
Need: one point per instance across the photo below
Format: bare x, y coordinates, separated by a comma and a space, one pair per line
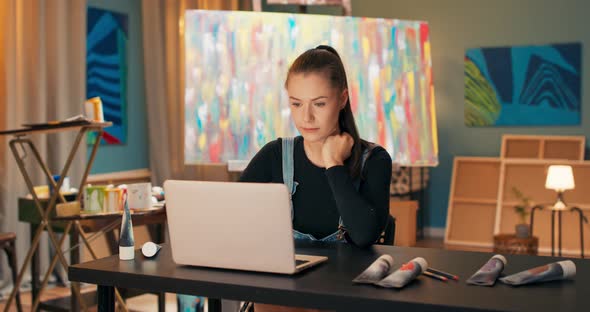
325, 60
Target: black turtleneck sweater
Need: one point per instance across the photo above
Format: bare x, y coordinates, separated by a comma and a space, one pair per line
325, 194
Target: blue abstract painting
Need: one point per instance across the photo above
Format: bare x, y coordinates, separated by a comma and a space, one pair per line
106, 69
523, 85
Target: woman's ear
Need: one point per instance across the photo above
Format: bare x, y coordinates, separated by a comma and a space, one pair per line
343, 98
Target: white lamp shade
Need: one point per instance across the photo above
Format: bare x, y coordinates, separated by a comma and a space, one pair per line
560, 178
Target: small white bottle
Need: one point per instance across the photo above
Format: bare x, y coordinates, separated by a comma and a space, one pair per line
126, 240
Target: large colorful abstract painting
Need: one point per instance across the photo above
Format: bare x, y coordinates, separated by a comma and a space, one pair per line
523, 86
106, 69
236, 65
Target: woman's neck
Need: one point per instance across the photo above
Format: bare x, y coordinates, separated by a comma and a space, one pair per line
313, 151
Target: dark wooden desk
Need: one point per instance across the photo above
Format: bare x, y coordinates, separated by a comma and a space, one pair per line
329, 286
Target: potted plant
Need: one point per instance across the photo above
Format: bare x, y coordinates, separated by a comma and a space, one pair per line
522, 210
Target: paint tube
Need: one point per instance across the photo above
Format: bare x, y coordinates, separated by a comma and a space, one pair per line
376, 271
402, 276
487, 275
549, 272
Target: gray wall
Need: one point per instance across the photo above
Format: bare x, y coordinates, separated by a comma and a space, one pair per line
456, 25
134, 153
318, 9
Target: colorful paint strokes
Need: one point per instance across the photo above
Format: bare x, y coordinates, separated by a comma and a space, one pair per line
523, 86
106, 70
236, 65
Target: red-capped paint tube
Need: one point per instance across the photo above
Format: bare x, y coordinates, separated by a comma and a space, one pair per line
545, 273
402, 276
376, 271
487, 275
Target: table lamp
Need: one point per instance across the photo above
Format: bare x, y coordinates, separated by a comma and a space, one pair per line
560, 178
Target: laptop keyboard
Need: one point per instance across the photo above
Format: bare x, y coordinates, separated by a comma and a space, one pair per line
300, 262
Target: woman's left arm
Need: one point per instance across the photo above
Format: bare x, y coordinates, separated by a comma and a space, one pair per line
364, 212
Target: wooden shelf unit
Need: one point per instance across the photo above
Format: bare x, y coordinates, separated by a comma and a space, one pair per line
472, 201
481, 199
529, 177
543, 146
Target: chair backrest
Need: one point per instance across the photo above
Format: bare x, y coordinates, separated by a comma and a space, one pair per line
387, 237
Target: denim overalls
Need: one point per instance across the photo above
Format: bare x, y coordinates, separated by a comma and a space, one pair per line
288, 146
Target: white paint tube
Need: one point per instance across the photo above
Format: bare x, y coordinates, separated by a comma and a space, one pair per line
376, 271
545, 273
404, 275
487, 275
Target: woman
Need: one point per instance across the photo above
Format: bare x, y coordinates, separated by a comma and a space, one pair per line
340, 183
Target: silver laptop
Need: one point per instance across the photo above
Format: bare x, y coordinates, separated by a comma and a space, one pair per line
243, 226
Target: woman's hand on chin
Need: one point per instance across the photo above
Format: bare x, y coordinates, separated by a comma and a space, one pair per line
336, 149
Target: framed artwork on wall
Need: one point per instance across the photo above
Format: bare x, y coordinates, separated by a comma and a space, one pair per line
523, 85
106, 69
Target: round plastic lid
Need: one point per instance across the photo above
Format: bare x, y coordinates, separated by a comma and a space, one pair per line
126, 253
422, 262
569, 268
501, 258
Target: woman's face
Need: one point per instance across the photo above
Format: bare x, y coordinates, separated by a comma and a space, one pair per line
315, 105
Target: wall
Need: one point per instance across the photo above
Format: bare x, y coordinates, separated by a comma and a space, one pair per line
318, 9
134, 153
456, 25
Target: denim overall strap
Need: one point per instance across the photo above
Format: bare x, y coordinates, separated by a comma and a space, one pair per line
357, 181
288, 147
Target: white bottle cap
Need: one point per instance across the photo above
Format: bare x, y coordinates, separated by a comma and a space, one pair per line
568, 267
501, 258
149, 249
126, 252
422, 262
388, 259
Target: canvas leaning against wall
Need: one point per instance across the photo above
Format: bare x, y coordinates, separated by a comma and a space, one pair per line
236, 65
106, 70
523, 86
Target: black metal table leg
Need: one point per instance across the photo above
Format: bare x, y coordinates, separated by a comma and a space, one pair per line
581, 233
553, 233
423, 202
214, 305
582, 220
74, 259
161, 302
11, 254
106, 298
35, 268
559, 231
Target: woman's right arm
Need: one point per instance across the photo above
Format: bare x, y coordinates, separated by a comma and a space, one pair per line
260, 167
